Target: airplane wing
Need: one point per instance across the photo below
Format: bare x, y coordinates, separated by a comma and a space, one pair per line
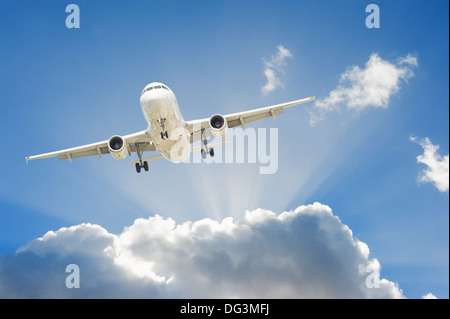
139, 140
243, 118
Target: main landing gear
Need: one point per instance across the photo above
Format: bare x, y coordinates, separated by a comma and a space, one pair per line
206, 150
141, 164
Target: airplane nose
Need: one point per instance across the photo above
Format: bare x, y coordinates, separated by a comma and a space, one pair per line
154, 99
148, 99
153, 95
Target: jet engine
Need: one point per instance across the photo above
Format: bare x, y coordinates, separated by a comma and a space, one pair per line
218, 125
117, 147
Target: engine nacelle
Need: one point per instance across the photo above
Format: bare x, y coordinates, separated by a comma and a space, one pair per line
218, 125
117, 147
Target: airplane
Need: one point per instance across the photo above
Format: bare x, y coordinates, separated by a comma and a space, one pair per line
167, 132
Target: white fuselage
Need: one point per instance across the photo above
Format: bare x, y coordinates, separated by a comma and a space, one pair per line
166, 125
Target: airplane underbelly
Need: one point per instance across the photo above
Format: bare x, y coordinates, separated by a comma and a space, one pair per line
166, 128
175, 151
173, 145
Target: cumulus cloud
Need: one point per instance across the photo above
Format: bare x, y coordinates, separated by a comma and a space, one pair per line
437, 165
429, 296
274, 68
371, 86
304, 253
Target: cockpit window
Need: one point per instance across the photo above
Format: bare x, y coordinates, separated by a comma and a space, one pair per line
147, 89
155, 87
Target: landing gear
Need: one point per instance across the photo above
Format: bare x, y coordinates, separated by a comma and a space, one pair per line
205, 153
141, 164
164, 134
206, 150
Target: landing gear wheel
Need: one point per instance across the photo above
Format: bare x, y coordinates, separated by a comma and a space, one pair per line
204, 154
211, 152
164, 135
141, 164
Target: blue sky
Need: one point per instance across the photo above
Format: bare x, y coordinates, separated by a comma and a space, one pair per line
65, 87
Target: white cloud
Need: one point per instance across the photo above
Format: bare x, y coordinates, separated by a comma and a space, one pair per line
437, 165
273, 69
371, 86
305, 253
429, 296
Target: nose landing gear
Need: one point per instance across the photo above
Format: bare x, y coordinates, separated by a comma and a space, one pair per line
164, 134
